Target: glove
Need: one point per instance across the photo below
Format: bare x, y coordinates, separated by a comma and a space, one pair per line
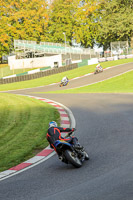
73, 129
70, 133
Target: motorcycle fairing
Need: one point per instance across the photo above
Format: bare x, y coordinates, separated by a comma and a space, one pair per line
57, 142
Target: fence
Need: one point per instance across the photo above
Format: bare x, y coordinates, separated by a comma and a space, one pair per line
38, 75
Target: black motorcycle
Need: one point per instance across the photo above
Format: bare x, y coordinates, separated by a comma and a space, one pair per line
70, 154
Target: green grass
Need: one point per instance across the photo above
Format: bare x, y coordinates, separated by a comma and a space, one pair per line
24, 121
57, 77
23, 127
119, 84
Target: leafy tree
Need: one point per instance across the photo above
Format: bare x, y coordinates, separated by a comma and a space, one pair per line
5, 41
22, 19
74, 17
115, 21
85, 24
62, 20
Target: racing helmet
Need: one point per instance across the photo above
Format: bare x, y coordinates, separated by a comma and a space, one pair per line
52, 124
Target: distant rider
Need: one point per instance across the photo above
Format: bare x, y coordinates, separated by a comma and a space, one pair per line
65, 80
99, 68
54, 133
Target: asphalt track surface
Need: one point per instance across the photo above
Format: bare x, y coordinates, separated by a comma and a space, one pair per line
105, 129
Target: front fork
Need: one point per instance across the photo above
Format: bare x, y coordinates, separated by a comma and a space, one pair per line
81, 155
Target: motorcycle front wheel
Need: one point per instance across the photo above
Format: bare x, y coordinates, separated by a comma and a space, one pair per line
86, 156
72, 158
96, 72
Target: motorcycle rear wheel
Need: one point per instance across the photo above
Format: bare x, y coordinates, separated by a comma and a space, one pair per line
73, 159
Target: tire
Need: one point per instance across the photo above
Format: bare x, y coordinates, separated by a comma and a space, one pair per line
86, 156
74, 160
60, 85
95, 72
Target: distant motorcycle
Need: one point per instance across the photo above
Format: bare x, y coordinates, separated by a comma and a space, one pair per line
70, 154
98, 71
64, 83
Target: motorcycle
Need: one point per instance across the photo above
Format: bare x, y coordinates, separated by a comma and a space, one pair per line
98, 71
70, 154
64, 83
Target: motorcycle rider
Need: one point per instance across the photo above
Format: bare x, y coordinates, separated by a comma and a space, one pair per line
64, 80
99, 68
54, 133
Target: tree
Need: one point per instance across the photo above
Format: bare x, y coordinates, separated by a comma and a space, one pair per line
115, 21
62, 20
74, 17
85, 23
22, 19
5, 41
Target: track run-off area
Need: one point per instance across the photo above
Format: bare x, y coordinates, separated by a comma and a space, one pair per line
104, 126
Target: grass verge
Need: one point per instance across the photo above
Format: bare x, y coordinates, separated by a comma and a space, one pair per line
23, 127
57, 77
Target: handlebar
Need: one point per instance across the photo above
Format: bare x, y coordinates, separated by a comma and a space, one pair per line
68, 135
